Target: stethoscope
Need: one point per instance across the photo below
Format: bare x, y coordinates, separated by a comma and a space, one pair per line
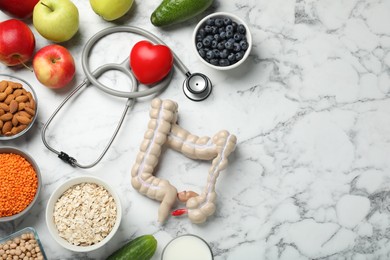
196, 86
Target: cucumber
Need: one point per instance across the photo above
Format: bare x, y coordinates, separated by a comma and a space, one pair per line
140, 248
175, 11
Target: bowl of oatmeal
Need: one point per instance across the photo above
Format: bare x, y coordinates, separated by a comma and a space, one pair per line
83, 213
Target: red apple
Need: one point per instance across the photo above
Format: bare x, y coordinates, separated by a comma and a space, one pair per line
17, 42
54, 66
18, 8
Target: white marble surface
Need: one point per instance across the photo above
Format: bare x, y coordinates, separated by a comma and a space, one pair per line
310, 176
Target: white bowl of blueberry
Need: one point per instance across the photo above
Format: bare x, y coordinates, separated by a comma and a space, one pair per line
222, 41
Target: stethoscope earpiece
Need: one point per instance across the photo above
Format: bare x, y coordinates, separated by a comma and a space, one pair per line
197, 86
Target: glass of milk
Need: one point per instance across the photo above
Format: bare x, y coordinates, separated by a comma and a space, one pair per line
189, 247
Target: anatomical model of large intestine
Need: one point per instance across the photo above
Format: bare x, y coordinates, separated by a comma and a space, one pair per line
163, 130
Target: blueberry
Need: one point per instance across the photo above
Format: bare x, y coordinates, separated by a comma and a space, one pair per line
236, 47
214, 29
199, 38
232, 57
227, 21
206, 42
199, 45
210, 21
218, 22
237, 36
229, 45
217, 37
239, 55
221, 29
210, 55
202, 32
234, 24
214, 62
241, 29
216, 53
222, 35
229, 34
221, 45
207, 29
214, 44
244, 45
229, 27
224, 62
202, 53
223, 54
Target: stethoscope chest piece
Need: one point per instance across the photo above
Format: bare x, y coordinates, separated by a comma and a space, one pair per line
197, 87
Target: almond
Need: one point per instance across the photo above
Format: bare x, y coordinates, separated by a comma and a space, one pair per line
3, 85
9, 99
30, 111
21, 106
8, 90
4, 106
15, 121
22, 98
6, 127
23, 119
3, 96
17, 129
6, 117
15, 85
13, 106
23, 113
18, 92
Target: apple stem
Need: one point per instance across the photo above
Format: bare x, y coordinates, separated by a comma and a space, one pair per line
51, 9
25, 65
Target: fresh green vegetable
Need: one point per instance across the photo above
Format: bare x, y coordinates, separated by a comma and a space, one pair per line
140, 248
175, 11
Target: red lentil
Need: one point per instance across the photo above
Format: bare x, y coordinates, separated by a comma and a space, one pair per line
19, 184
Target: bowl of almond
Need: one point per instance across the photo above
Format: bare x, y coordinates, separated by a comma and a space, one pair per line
18, 107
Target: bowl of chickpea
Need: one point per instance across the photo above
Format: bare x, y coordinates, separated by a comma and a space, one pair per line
20, 180
23, 244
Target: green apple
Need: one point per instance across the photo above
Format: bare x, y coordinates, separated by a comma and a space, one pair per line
56, 20
111, 9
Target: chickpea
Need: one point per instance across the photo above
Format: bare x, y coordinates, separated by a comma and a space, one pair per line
13, 245
6, 246
2, 251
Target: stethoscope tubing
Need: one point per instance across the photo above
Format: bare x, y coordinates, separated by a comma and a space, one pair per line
124, 67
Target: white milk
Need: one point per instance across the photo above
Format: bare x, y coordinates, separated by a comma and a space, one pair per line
187, 247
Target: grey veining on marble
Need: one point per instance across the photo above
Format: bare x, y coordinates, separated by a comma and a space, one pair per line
310, 178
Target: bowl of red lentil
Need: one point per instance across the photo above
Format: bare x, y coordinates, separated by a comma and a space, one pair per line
20, 180
18, 107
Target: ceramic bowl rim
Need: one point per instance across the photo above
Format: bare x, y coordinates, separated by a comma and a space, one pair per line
56, 195
234, 18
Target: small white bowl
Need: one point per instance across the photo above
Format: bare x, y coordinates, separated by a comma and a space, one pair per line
234, 18
58, 193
